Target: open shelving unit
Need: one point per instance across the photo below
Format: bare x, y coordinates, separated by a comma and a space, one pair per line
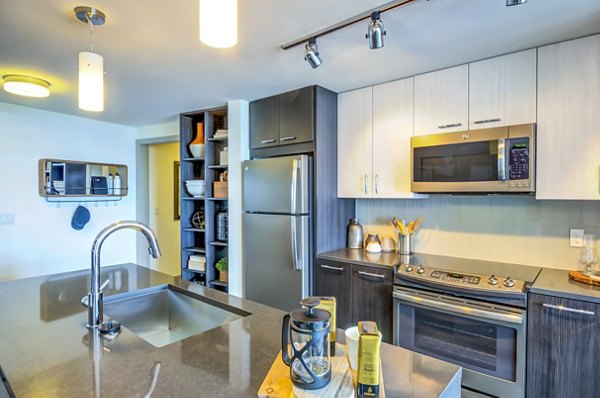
194, 240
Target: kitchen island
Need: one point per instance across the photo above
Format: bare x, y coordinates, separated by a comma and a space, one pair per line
45, 349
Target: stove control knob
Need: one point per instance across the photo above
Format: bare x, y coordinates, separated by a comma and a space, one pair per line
420, 270
408, 268
509, 282
492, 280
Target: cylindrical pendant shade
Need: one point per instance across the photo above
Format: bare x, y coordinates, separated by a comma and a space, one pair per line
91, 82
218, 23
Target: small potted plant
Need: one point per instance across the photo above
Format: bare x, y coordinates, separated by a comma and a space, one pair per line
222, 266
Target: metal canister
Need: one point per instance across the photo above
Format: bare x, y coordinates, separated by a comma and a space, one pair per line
222, 228
354, 234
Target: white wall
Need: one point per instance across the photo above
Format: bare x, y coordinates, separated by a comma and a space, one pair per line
514, 229
160, 131
41, 241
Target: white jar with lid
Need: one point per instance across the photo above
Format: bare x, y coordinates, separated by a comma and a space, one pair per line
223, 157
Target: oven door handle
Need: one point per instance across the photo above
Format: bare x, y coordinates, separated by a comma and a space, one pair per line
439, 304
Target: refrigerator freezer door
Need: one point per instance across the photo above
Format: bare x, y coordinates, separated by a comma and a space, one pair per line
277, 185
275, 264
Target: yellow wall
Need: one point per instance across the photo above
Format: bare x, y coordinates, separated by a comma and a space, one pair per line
161, 205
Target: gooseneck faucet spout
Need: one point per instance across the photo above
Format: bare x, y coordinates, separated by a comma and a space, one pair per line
95, 300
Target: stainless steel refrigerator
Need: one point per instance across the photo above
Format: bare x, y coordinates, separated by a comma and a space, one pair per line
277, 230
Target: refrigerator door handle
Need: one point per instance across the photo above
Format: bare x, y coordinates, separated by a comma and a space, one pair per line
295, 263
293, 190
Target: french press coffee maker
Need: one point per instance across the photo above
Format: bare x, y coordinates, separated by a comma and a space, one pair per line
307, 329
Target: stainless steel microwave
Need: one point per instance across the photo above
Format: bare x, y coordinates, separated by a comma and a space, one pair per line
496, 160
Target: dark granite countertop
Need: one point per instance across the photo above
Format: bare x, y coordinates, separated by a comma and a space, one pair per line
556, 282
45, 349
362, 257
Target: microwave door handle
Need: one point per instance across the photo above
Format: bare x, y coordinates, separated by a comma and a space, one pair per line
502, 159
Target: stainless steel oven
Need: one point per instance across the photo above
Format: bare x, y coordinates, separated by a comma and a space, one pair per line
487, 340
472, 313
497, 160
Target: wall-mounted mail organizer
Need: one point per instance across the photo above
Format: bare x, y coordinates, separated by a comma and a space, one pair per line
76, 181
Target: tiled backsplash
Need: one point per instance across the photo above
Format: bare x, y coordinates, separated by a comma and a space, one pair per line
515, 229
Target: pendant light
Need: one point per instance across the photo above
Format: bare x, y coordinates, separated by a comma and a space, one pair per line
27, 86
218, 23
91, 64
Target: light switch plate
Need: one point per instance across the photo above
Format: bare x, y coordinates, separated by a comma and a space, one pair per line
576, 237
7, 218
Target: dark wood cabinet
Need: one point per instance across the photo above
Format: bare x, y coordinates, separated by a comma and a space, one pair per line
563, 345
264, 122
296, 116
362, 293
334, 279
288, 119
372, 289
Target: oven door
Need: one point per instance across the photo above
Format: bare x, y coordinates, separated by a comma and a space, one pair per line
487, 340
460, 162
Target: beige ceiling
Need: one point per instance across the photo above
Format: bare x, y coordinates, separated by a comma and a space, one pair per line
156, 67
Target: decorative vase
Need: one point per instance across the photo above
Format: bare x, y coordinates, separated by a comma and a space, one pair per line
224, 276
197, 145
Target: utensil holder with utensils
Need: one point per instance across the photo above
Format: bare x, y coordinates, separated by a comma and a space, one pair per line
405, 244
406, 234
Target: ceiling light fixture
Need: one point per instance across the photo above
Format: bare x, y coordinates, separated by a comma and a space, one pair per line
218, 23
27, 86
91, 64
515, 2
311, 53
376, 31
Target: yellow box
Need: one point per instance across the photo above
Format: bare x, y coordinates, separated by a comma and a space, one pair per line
328, 304
368, 360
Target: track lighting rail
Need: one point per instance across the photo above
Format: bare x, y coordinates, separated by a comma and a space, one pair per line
340, 25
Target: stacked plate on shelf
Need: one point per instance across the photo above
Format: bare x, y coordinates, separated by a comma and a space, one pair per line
197, 263
220, 134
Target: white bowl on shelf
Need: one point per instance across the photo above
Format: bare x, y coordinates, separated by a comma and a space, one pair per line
197, 150
195, 187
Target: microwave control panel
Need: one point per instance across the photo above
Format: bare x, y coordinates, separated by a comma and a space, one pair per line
518, 159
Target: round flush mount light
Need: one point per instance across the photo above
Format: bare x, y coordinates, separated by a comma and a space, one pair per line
27, 86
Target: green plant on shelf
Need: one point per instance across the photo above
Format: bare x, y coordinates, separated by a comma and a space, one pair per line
222, 265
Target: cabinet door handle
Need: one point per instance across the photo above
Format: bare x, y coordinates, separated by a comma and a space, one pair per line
567, 309
366, 184
377, 184
447, 126
272, 140
487, 121
332, 268
372, 275
290, 138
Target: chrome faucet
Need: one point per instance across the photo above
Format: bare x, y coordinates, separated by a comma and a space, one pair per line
95, 297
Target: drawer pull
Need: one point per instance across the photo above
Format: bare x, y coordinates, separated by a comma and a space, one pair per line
272, 140
372, 275
290, 138
447, 126
333, 268
487, 121
567, 309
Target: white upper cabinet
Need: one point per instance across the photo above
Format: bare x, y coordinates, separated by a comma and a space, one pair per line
442, 101
502, 91
355, 143
568, 126
393, 108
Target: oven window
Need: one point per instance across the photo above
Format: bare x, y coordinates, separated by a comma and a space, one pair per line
476, 345
468, 162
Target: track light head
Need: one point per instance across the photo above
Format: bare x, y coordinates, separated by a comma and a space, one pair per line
376, 31
515, 2
311, 53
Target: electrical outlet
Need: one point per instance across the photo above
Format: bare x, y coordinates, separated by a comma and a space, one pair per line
7, 218
576, 237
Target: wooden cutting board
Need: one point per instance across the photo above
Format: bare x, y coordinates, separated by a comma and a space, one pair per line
583, 278
277, 383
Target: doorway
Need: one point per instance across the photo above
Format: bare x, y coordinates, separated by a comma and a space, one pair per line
158, 203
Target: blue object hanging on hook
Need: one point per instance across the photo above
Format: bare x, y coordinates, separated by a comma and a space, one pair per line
80, 218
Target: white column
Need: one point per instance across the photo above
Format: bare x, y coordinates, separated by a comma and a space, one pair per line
238, 126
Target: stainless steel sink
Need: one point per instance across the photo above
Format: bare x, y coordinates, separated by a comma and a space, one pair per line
166, 314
